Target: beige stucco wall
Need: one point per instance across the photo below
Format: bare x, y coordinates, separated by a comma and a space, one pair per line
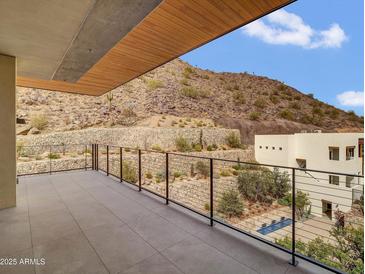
7, 132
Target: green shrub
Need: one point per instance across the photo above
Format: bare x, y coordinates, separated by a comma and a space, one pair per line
239, 97
286, 114
254, 116
53, 155
38, 121
334, 113
129, 172
177, 174
184, 82
317, 111
306, 119
225, 173
154, 84
202, 168
233, 140
260, 103
182, 144
212, 147
230, 204
263, 185
148, 175
157, 148
197, 147
206, 206
294, 105
160, 176
274, 99
194, 93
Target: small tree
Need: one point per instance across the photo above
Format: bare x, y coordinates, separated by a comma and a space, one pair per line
230, 204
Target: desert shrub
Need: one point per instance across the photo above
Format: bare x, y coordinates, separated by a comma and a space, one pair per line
282, 87
239, 97
182, 144
260, 103
197, 147
184, 82
263, 185
306, 119
53, 155
310, 95
129, 172
225, 173
177, 174
211, 147
38, 121
148, 175
317, 111
206, 206
286, 114
274, 99
254, 116
194, 93
294, 105
157, 148
230, 204
202, 168
334, 113
160, 176
205, 76
129, 112
154, 84
297, 97
233, 140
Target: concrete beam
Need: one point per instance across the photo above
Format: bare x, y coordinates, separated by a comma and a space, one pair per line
105, 25
7, 132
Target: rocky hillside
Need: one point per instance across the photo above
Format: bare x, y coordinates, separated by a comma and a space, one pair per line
251, 103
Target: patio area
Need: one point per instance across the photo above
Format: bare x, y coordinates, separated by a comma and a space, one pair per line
86, 222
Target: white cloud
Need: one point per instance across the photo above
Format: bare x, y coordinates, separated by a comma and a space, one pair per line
351, 98
285, 28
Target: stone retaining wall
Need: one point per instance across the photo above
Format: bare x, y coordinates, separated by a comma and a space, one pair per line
142, 137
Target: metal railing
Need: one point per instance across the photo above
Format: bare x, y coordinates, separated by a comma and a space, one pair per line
298, 206
42, 159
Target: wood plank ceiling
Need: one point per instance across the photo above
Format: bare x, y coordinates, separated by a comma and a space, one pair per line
170, 30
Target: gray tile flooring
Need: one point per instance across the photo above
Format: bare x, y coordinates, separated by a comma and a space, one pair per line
86, 222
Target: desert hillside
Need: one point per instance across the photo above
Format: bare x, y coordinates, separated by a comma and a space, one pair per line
179, 95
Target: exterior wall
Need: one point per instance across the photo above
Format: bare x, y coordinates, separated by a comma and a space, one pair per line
7, 132
314, 148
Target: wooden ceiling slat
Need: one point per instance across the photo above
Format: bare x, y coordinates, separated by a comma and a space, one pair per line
172, 29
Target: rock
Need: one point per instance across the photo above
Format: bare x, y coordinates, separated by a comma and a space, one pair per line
34, 130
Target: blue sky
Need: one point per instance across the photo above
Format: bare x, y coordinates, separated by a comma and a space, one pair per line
315, 46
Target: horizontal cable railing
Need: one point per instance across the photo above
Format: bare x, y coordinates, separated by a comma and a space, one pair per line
303, 212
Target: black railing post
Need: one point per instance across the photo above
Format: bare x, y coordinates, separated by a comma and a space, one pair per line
139, 171
107, 160
121, 163
92, 156
85, 157
97, 157
167, 178
211, 192
293, 261
50, 159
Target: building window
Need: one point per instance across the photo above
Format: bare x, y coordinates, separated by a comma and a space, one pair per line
280, 148
349, 181
334, 153
260, 147
273, 148
267, 147
334, 180
350, 153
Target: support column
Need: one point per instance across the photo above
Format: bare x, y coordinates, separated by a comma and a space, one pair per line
7, 132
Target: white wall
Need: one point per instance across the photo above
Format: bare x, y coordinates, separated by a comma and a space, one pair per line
314, 148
